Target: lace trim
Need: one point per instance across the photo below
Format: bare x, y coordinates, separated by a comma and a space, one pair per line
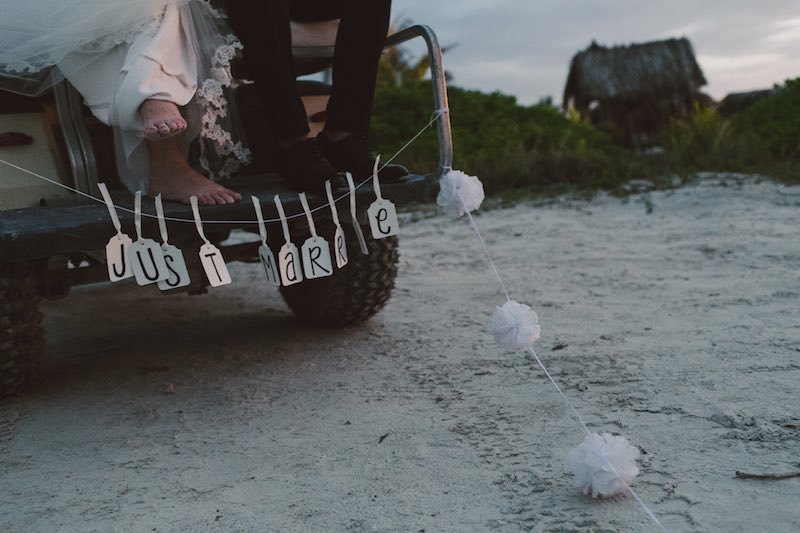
230, 156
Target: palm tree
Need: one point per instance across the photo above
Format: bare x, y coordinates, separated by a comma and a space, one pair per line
398, 67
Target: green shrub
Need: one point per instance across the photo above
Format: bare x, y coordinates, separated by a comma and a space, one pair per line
507, 145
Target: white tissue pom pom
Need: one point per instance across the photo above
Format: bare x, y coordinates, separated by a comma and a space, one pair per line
456, 186
592, 471
515, 325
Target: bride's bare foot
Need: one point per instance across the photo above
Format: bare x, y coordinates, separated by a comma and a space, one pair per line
173, 178
161, 119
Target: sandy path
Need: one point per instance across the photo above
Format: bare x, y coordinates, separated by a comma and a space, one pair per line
671, 318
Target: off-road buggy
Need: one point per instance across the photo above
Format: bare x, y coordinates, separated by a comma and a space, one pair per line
52, 239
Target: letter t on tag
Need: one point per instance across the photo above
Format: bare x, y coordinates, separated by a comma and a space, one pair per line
210, 256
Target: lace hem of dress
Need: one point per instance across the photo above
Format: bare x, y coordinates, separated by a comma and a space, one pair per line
228, 155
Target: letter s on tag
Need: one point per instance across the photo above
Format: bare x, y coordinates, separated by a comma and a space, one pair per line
176, 266
383, 219
118, 257
214, 265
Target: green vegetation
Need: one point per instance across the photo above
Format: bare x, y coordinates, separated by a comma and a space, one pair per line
538, 148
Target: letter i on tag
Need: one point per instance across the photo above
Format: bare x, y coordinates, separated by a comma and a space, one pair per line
118, 247
264, 252
362, 242
339, 243
382, 214
173, 257
316, 252
289, 260
147, 259
210, 256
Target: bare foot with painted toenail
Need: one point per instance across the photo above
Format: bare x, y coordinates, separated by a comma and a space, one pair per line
174, 179
161, 119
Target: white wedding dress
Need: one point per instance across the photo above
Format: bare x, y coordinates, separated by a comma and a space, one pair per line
118, 53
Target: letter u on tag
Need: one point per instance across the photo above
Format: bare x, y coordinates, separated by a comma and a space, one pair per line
118, 257
269, 264
290, 264
176, 267
383, 219
147, 262
317, 258
214, 265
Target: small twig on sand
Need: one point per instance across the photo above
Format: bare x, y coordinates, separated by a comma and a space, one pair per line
770, 477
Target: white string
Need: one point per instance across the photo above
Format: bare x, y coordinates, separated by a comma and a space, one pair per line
435, 116
585, 428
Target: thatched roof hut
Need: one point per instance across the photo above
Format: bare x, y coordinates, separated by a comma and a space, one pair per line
636, 88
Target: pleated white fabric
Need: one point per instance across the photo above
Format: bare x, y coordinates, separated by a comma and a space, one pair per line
118, 53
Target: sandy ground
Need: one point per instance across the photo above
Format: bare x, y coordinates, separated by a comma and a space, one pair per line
669, 317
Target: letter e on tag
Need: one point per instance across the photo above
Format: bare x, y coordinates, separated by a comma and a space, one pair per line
176, 267
269, 264
118, 257
317, 258
289, 264
383, 219
147, 262
214, 265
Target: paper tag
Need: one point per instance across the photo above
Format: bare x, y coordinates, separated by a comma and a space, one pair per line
317, 258
214, 265
176, 268
316, 252
383, 219
118, 257
340, 247
147, 262
339, 243
289, 263
269, 264
362, 242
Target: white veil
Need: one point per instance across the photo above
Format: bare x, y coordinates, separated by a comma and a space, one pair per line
42, 41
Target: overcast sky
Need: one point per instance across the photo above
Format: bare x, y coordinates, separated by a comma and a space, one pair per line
523, 47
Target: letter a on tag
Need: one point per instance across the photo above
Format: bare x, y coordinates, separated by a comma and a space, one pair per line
316, 252
289, 262
382, 214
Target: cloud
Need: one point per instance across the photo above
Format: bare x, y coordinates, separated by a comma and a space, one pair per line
524, 48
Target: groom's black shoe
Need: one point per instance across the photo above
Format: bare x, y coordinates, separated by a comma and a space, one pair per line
353, 154
305, 168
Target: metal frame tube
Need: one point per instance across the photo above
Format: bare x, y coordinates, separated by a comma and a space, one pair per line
439, 88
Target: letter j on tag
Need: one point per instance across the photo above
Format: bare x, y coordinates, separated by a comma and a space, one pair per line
118, 257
